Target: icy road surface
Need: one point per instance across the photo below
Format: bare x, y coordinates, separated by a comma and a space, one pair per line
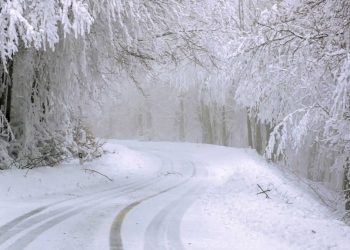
164, 196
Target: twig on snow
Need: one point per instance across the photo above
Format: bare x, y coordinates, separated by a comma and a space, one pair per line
172, 173
94, 171
264, 191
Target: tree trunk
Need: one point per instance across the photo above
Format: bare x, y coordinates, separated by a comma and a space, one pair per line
6, 94
258, 137
249, 126
9, 91
346, 184
268, 130
182, 133
6, 90
205, 118
225, 134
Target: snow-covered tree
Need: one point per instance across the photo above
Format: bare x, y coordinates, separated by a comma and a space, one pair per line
294, 77
61, 55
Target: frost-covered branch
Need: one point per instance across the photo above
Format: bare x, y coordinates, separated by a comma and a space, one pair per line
36, 23
5, 129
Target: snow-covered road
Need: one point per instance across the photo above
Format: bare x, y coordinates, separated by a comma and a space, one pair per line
164, 196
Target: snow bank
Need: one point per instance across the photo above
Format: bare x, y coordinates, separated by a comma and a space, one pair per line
236, 217
70, 178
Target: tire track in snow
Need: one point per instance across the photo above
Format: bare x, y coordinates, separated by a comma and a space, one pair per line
19, 219
36, 213
115, 239
31, 219
164, 230
38, 210
61, 216
43, 222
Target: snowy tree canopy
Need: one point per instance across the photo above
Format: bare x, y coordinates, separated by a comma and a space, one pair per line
37, 23
295, 67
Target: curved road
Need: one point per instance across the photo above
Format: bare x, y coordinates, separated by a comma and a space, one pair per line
144, 214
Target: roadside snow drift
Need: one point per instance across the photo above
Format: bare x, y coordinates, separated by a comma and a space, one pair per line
21, 190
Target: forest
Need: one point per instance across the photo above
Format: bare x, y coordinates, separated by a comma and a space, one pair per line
273, 75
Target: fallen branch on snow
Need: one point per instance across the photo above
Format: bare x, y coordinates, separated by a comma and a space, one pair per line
94, 171
264, 191
172, 173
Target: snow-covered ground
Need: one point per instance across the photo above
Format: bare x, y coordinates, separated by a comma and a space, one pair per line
21, 190
143, 195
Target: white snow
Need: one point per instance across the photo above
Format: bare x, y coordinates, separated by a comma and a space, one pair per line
224, 211
233, 216
22, 190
